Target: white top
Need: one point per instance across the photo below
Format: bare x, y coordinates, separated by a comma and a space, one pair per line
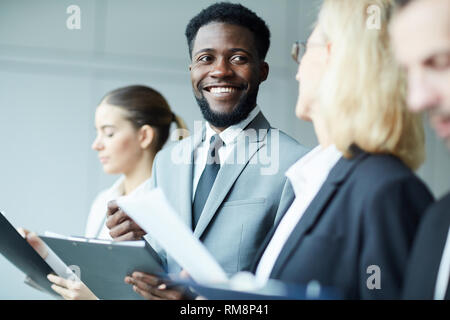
229, 137
95, 226
307, 176
444, 272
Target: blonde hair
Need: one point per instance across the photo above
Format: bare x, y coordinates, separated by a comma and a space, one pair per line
363, 93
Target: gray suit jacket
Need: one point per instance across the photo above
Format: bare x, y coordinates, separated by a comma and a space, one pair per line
247, 198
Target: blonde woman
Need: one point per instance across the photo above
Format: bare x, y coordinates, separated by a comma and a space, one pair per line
357, 207
132, 125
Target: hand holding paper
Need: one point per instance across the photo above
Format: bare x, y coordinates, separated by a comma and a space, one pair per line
153, 288
122, 228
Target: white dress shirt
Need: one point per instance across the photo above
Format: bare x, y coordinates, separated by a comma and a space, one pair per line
95, 226
307, 176
228, 136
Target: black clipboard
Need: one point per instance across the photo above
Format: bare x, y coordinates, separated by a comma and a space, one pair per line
103, 264
17, 250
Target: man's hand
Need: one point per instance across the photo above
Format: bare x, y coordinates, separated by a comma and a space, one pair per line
34, 241
153, 288
121, 227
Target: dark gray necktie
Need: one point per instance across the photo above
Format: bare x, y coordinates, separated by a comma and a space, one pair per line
207, 178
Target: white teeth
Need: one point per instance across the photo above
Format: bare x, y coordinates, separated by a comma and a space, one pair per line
222, 90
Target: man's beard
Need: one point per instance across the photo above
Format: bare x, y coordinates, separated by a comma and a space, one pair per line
223, 120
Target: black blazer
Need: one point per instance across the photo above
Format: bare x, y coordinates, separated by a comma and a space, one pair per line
366, 213
426, 254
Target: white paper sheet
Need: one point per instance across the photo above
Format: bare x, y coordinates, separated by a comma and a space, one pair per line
152, 212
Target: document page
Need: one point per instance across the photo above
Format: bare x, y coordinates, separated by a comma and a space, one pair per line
152, 212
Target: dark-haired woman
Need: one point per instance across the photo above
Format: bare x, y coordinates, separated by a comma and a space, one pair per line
132, 125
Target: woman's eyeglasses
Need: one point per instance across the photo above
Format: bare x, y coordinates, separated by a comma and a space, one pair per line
298, 50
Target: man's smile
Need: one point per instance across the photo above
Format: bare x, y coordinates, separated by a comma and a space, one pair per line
223, 91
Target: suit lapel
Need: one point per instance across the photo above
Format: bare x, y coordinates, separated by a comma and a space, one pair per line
269, 236
315, 209
230, 172
309, 217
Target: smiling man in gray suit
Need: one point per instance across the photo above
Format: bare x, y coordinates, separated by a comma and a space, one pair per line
227, 180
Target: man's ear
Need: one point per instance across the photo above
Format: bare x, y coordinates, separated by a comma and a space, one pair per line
264, 69
146, 136
190, 67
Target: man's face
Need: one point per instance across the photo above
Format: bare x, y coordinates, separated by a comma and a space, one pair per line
421, 40
226, 72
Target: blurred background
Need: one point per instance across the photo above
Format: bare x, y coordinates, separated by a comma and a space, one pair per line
52, 78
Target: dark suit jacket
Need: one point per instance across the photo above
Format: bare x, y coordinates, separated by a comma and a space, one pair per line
426, 255
366, 213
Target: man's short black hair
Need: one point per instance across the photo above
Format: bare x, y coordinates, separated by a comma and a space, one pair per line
231, 13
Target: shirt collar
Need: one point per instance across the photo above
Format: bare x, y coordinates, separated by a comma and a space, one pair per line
118, 188
230, 134
313, 168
